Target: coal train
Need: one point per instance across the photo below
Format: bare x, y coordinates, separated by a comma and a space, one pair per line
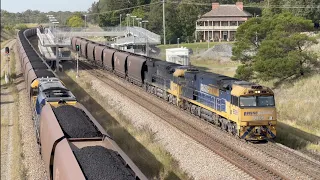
244, 109
72, 143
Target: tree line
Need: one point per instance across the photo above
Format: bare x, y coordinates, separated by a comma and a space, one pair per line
34, 16
181, 15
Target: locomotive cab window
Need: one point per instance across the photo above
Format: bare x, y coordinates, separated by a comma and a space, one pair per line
257, 101
235, 100
265, 101
34, 91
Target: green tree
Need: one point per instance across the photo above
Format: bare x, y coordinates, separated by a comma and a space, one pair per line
139, 12
188, 15
302, 8
155, 18
75, 21
94, 9
274, 47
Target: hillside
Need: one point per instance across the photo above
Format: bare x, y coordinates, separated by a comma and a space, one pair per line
298, 104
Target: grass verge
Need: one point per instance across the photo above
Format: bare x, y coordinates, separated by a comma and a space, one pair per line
227, 68
4, 43
17, 169
193, 46
298, 110
139, 143
17, 165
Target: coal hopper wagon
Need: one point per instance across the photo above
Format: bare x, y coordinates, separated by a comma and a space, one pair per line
71, 142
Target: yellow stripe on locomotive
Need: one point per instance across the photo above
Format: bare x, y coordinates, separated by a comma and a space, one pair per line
251, 108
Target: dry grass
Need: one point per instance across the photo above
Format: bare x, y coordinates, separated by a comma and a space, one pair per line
144, 140
227, 69
4, 43
17, 166
298, 104
298, 107
31, 25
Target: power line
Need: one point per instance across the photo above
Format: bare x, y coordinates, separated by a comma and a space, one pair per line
123, 9
206, 4
256, 6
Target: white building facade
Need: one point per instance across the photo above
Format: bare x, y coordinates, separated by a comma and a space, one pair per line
221, 23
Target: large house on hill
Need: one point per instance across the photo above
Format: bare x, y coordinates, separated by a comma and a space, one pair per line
221, 23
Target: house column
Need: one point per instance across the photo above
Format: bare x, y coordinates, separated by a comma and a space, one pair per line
220, 33
195, 35
212, 36
228, 35
204, 35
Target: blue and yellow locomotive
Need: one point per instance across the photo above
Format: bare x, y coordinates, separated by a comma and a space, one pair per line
242, 108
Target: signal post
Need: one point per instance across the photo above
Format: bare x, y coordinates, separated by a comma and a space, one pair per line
7, 72
77, 58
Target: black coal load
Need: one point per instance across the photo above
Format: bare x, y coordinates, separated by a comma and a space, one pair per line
99, 163
75, 123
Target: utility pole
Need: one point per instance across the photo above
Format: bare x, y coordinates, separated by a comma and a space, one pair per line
147, 46
77, 76
178, 42
128, 19
164, 22
120, 21
85, 21
77, 58
257, 34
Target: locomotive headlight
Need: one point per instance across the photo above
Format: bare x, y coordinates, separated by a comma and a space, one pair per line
270, 118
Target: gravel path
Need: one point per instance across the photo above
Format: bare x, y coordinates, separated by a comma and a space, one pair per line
194, 158
7, 110
34, 165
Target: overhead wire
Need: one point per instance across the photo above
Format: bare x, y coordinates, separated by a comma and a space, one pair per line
209, 4
123, 9
257, 6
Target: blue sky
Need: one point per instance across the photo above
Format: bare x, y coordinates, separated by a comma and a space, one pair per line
46, 5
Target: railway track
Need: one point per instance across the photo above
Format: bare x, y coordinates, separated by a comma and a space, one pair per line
310, 168
240, 159
302, 164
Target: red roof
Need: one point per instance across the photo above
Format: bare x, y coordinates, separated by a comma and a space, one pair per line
227, 11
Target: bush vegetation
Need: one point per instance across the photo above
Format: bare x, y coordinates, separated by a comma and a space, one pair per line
273, 47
